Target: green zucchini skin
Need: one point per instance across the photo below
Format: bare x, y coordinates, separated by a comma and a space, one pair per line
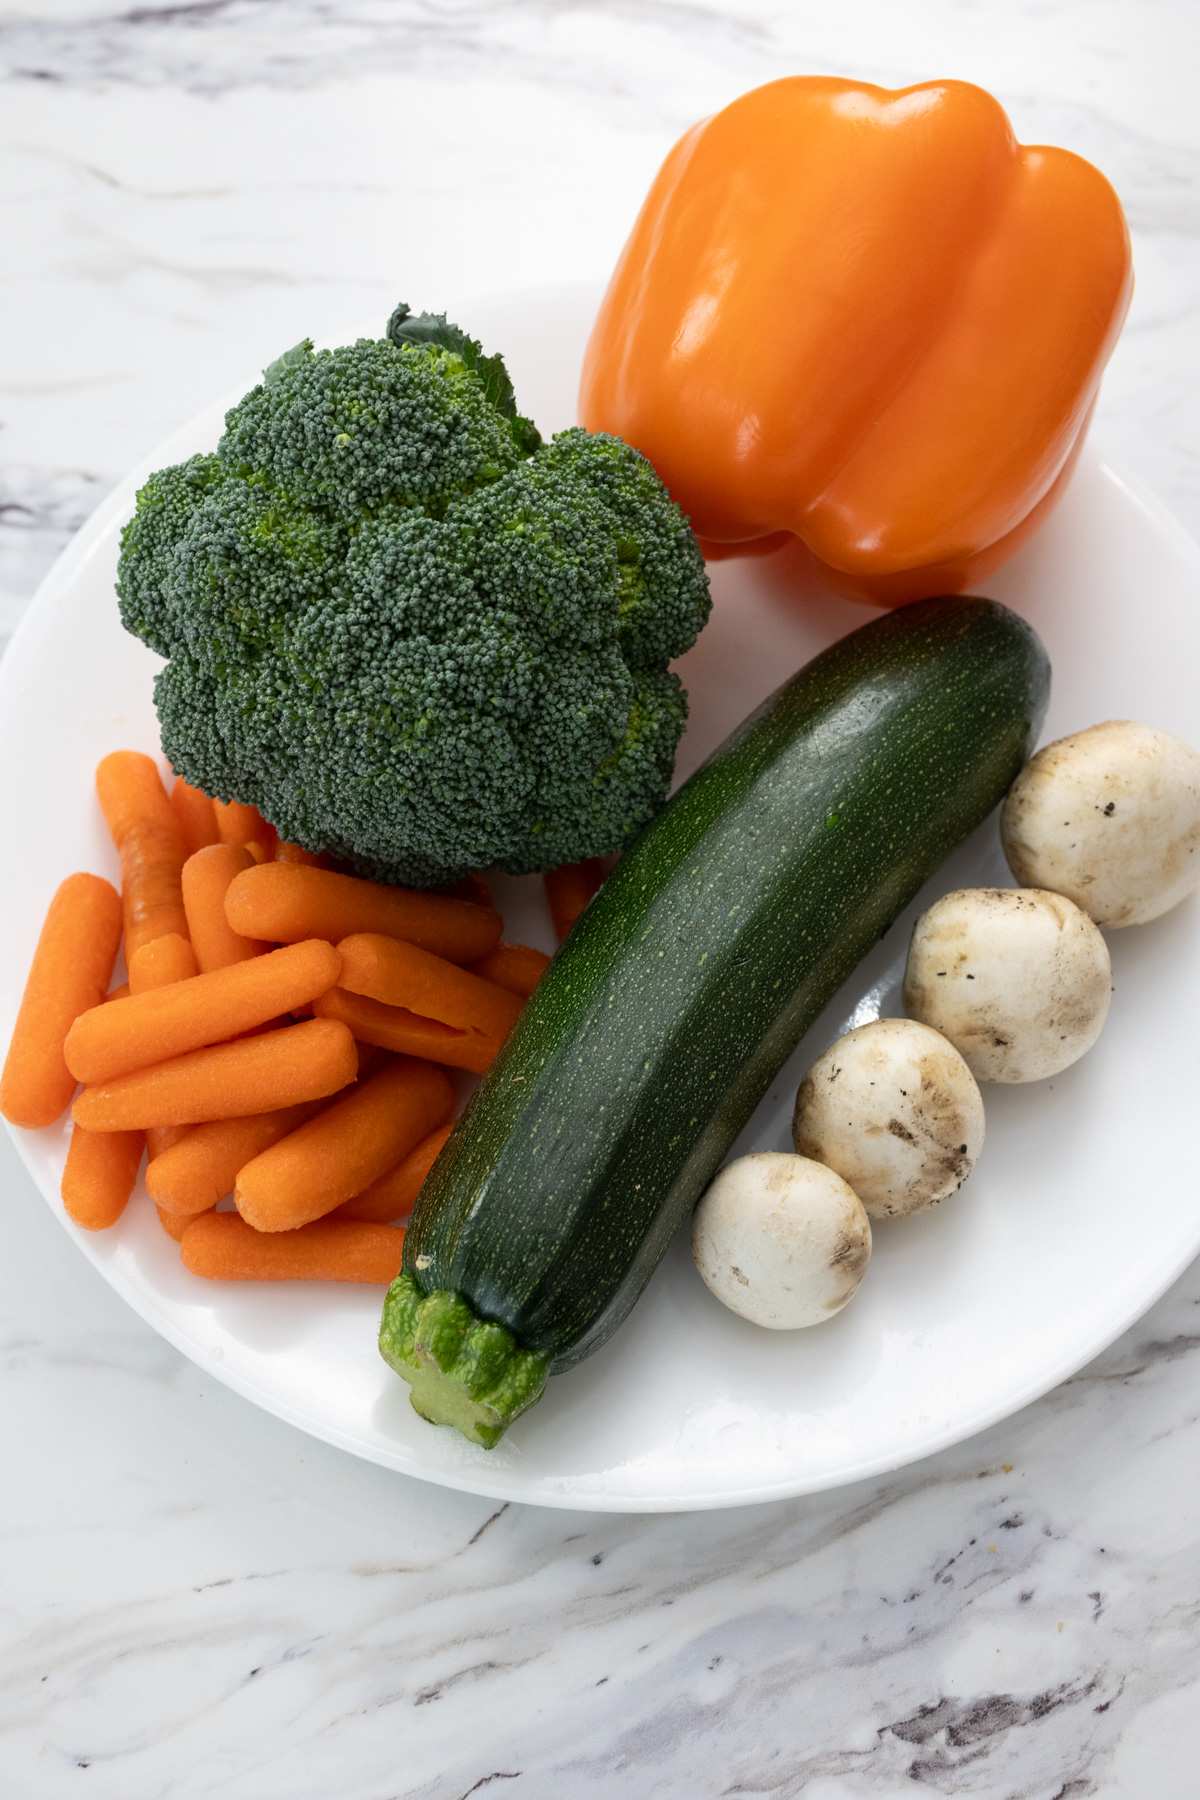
713, 946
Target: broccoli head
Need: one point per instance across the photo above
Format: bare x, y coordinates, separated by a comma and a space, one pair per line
404, 628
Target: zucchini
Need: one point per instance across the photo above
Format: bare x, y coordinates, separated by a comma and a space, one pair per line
707, 954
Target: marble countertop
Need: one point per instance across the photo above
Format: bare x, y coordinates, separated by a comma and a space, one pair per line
198, 1599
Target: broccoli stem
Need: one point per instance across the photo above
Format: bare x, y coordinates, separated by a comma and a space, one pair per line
462, 1371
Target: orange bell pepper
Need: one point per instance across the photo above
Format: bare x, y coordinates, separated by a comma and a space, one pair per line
867, 317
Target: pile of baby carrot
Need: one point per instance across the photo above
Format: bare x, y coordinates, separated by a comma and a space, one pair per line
283, 1035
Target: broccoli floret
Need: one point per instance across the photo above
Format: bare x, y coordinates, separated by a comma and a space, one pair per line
406, 630
345, 430
153, 605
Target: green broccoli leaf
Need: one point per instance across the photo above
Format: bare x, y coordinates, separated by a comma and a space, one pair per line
406, 327
291, 359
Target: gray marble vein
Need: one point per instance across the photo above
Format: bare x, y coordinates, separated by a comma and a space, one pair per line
40, 511
211, 46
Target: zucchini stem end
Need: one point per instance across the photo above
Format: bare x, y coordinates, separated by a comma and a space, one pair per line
463, 1371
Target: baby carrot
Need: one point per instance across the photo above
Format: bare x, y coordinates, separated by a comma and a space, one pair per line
345, 1148
98, 1178
292, 853
516, 967
394, 1194
194, 811
118, 993
71, 969
222, 1247
399, 974
161, 1138
150, 842
238, 823
395, 1028
476, 888
251, 1075
161, 963
286, 902
202, 1168
371, 1059
206, 879
569, 888
174, 1224
130, 1034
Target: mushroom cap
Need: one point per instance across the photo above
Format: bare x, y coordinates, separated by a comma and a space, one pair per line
1018, 979
781, 1240
895, 1110
1110, 817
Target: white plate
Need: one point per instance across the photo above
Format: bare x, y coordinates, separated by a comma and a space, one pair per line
1084, 1206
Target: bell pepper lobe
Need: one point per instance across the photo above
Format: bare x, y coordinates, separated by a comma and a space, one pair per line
867, 318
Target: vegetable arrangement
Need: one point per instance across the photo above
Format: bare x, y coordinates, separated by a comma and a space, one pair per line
405, 640
609, 1102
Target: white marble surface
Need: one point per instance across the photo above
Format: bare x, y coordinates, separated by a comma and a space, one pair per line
199, 1601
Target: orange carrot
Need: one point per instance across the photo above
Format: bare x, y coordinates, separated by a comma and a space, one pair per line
476, 888
345, 1148
399, 974
394, 1194
206, 879
100, 1171
161, 1138
569, 888
174, 1224
222, 1247
71, 969
286, 902
200, 1170
161, 963
253, 1074
150, 842
517, 967
124, 1035
238, 823
395, 1028
118, 993
203, 1173
197, 820
371, 1059
292, 853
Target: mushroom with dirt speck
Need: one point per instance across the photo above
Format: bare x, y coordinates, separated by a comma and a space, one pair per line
894, 1109
780, 1239
1039, 974
1131, 797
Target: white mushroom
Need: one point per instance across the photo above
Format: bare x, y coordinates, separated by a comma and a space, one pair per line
1018, 979
1111, 818
781, 1240
895, 1110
